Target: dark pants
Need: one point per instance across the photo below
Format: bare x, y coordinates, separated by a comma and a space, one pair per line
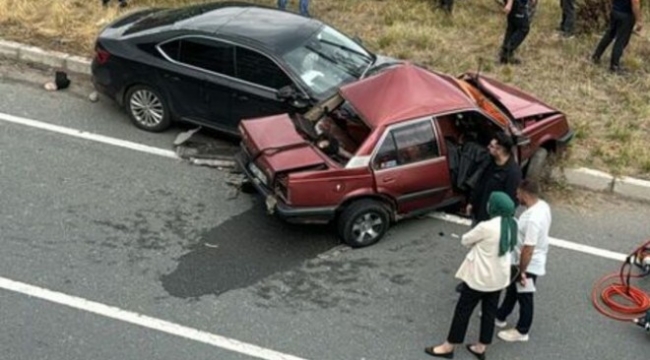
568, 16
446, 5
620, 28
525, 301
468, 300
516, 32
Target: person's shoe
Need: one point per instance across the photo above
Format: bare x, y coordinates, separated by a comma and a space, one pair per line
618, 70
431, 351
478, 355
595, 60
512, 335
567, 35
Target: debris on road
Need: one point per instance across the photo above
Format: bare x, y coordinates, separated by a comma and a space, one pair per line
93, 97
213, 162
181, 138
60, 82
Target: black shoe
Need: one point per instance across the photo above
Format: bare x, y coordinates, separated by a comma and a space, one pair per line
595, 60
618, 70
430, 350
479, 356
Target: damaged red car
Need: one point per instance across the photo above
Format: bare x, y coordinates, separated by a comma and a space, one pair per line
396, 144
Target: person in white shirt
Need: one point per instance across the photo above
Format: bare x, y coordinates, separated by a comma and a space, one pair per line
530, 256
484, 272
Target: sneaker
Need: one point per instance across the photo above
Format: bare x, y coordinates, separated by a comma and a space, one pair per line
512, 335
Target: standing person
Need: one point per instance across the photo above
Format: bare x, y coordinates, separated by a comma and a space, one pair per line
484, 272
624, 18
303, 5
568, 17
530, 256
503, 174
517, 12
123, 3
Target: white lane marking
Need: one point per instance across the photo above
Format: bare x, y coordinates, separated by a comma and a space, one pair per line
607, 254
145, 321
170, 154
88, 136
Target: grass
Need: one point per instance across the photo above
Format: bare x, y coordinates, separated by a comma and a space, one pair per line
611, 114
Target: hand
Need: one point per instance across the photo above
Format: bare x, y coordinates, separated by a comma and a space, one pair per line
638, 27
523, 280
468, 209
507, 8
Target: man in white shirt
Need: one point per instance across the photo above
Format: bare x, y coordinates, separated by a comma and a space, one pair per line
530, 256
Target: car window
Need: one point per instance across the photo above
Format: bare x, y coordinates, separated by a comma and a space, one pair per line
206, 54
406, 145
259, 69
415, 142
386, 156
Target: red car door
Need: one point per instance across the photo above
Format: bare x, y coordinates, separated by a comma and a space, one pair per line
408, 167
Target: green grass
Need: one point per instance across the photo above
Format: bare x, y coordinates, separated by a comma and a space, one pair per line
611, 114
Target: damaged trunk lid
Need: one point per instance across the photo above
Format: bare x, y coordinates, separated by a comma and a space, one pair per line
517, 104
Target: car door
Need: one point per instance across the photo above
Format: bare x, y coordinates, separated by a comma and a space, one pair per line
408, 167
215, 61
255, 94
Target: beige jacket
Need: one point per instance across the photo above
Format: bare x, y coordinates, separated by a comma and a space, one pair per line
483, 269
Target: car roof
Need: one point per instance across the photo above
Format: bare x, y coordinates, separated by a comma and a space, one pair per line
403, 93
268, 27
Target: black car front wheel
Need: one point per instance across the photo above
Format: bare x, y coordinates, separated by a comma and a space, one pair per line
363, 223
147, 109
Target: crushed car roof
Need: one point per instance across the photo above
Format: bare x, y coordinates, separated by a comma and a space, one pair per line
402, 93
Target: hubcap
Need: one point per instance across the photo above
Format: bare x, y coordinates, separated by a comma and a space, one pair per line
367, 227
146, 108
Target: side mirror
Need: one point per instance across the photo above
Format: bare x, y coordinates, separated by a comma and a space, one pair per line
286, 93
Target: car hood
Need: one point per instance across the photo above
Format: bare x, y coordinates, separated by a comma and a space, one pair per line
517, 103
274, 143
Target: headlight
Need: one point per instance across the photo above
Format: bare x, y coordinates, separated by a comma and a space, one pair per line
258, 174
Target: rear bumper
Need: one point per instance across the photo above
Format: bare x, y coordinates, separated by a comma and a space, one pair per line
103, 83
276, 205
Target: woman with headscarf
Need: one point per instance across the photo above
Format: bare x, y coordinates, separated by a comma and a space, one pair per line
484, 272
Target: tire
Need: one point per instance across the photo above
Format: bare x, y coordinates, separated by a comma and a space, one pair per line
538, 168
147, 109
363, 223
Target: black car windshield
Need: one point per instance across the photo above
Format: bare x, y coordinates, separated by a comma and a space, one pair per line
327, 60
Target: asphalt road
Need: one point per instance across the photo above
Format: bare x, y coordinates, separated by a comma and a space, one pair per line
163, 238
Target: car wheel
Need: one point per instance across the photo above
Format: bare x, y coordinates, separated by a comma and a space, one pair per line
147, 109
538, 167
363, 223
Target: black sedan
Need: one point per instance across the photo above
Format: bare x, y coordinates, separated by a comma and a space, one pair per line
215, 64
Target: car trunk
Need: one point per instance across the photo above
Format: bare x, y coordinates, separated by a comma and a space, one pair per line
517, 104
274, 144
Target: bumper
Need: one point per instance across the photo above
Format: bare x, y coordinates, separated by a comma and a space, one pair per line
564, 140
101, 81
275, 205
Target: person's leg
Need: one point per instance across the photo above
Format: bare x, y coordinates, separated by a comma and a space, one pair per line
508, 303
570, 9
464, 307
489, 304
607, 38
507, 39
520, 34
525, 309
304, 8
563, 21
282, 4
623, 34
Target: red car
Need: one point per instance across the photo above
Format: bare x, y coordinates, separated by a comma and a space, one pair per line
396, 144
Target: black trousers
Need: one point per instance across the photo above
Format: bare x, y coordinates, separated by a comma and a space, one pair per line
516, 32
620, 29
468, 300
568, 16
525, 301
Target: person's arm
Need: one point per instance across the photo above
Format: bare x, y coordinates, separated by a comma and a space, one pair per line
473, 236
638, 17
508, 7
530, 240
512, 181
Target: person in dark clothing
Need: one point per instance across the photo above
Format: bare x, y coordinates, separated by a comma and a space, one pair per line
502, 174
624, 19
123, 3
516, 30
568, 17
446, 5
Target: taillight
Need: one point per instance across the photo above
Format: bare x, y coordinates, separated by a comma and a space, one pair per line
102, 56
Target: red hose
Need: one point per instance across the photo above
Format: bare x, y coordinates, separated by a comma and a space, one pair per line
621, 301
